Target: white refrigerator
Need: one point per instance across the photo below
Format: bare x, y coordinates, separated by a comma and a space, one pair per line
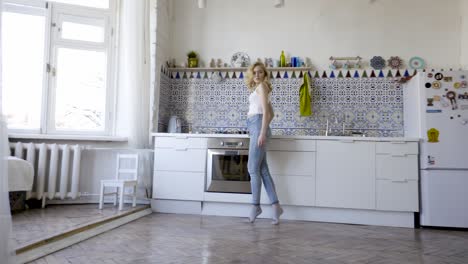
436, 111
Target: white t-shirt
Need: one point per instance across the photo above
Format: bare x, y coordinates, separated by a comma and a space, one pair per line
255, 103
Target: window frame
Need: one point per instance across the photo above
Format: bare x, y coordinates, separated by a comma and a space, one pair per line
52, 12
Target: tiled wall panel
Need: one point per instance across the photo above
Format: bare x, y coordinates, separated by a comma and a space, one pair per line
370, 105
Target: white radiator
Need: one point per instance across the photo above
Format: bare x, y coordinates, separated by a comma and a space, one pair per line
48, 160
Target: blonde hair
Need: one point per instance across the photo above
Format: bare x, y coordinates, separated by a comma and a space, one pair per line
250, 77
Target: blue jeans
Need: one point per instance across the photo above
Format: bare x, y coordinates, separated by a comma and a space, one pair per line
257, 164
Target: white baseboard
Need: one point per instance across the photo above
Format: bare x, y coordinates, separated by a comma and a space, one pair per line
318, 214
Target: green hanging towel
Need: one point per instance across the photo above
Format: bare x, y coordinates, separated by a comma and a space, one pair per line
304, 97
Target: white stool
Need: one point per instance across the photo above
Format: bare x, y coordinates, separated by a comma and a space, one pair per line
121, 182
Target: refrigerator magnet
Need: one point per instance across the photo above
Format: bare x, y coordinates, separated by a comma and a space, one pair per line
430, 75
448, 78
433, 135
433, 111
436, 85
463, 84
463, 96
438, 76
428, 85
456, 85
430, 160
451, 96
430, 101
436, 98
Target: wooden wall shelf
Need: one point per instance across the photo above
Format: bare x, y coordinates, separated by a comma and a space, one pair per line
228, 69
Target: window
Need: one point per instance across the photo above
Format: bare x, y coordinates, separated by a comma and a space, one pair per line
58, 66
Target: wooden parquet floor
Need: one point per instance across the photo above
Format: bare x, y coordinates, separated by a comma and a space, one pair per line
37, 224
174, 238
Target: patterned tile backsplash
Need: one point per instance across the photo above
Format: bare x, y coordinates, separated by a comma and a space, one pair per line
208, 105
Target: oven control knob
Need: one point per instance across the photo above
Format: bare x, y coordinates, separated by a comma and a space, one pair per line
221, 143
240, 144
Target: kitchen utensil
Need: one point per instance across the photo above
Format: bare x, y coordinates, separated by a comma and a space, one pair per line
175, 125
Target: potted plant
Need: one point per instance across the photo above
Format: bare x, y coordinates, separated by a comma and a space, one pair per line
192, 59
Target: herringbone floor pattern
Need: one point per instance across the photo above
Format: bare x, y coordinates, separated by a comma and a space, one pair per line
173, 238
36, 224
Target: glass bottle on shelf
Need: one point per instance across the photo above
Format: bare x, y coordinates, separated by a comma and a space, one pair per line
282, 59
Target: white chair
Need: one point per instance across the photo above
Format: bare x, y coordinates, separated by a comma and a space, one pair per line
120, 182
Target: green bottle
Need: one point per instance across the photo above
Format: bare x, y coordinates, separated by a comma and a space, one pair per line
282, 59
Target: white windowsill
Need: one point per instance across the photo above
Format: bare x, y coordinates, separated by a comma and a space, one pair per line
68, 137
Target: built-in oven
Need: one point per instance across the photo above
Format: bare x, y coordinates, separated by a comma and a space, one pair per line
227, 165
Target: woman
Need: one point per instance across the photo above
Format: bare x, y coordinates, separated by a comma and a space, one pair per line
258, 122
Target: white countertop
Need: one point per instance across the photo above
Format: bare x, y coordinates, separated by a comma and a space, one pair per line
186, 135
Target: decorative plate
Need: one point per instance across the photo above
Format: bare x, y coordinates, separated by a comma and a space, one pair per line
377, 62
395, 62
416, 63
240, 59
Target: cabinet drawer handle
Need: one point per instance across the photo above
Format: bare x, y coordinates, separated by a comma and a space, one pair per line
181, 137
398, 142
181, 149
400, 181
346, 140
398, 155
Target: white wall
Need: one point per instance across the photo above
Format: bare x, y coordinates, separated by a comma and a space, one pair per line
162, 51
464, 34
319, 29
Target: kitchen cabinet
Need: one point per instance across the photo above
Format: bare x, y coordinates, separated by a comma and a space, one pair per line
322, 173
179, 168
397, 176
345, 174
292, 165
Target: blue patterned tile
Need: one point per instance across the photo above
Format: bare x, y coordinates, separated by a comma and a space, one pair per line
371, 105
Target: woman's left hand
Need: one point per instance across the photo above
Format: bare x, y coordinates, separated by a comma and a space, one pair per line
261, 140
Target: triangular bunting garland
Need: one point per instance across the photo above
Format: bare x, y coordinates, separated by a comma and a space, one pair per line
406, 73
356, 74
398, 73
389, 74
316, 75
381, 75
364, 74
372, 74
324, 75
348, 75
340, 74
